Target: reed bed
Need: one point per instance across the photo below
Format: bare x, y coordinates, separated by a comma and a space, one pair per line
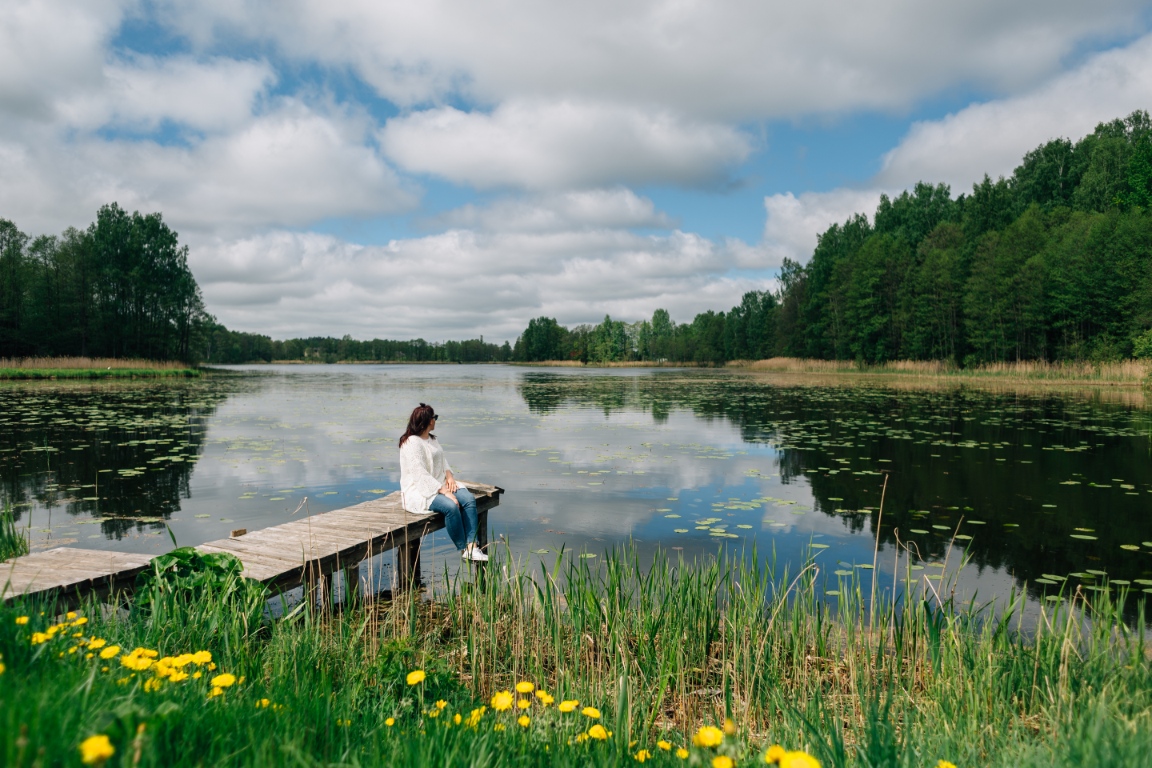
89, 368
1123, 371
659, 652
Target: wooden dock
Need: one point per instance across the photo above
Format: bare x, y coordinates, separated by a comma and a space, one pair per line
304, 552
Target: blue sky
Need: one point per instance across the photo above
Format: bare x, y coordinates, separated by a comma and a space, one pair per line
450, 169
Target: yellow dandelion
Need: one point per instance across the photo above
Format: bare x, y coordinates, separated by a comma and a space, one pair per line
176, 677
110, 651
80, 621
94, 750
525, 687
664, 745
722, 761
2, 668
568, 705
524, 721
416, 676
456, 718
591, 712
598, 732
152, 684
263, 703
475, 715
70, 615
729, 727
945, 764
40, 637
682, 753
775, 754
498, 727
96, 642
147, 652
441, 704
21, 619
89, 655
502, 701
523, 704
798, 760
202, 657
390, 722
223, 681
545, 697
642, 755
708, 736
215, 692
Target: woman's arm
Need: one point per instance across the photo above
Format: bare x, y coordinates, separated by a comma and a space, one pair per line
450, 484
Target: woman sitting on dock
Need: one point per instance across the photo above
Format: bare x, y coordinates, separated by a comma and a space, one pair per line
427, 484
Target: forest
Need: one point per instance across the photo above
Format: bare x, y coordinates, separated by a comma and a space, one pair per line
1053, 263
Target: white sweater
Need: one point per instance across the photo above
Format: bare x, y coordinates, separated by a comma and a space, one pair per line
422, 468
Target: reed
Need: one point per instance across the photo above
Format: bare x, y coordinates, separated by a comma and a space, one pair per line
660, 648
13, 541
90, 368
1123, 371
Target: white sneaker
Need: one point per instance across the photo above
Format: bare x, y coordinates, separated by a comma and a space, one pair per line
475, 554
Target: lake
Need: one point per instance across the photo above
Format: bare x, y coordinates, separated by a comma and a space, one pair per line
1040, 487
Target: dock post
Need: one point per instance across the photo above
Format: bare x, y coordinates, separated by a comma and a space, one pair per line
408, 564
351, 583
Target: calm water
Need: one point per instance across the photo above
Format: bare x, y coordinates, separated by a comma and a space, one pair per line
1037, 488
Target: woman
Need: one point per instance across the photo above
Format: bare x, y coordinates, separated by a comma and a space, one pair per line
427, 484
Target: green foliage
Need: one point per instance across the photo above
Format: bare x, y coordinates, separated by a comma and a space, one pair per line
13, 541
1142, 345
186, 575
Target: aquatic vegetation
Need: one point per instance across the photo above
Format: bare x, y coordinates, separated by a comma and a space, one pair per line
704, 663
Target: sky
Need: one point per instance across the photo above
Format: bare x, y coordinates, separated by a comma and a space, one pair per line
450, 169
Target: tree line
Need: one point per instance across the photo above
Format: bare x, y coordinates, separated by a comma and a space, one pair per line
120, 288
1053, 263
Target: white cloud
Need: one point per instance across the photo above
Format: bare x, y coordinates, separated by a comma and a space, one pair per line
794, 222
141, 92
744, 59
292, 166
992, 137
584, 209
461, 283
550, 145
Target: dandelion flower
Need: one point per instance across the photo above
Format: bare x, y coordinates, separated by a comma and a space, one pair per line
2, 667
223, 681
502, 701
475, 715
215, 692
147, 652
545, 697
722, 761
643, 755
263, 703
525, 687
152, 685
80, 621
591, 712
94, 750
498, 727
524, 721
70, 615
708, 736
457, 718
202, 657
96, 642
798, 760
729, 727
774, 754
568, 705
40, 637
664, 745
390, 722
21, 619
441, 704
597, 732
945, 764
110, 651
416, 676
682, 753
176, 677
523, 704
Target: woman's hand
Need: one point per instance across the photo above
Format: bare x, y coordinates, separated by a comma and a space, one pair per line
450, 483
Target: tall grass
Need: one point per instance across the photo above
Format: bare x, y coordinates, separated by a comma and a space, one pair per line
1123, 371
659, 649
89, 368
13, 541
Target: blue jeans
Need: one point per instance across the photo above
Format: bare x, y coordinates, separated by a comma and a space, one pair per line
460, 521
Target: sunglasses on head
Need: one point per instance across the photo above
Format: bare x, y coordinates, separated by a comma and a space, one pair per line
434, 417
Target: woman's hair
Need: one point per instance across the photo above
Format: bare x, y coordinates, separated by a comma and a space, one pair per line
418, 422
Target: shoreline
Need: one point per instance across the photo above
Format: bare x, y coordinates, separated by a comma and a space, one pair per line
53, 374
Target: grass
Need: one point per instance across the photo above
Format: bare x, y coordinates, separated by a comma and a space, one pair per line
659, 650
1119, 372
90, 368
13, 541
